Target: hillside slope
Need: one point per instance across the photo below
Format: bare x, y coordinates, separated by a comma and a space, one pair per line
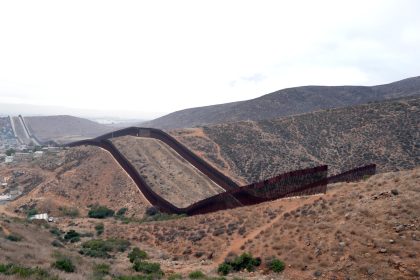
64, 129
385, 133
165, 171
286, 102
76, 178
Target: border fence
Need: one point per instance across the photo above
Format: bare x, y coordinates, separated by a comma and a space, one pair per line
307, 181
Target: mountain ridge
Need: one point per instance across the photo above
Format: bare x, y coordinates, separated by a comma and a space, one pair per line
286, 102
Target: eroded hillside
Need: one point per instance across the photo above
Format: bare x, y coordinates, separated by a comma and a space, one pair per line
386, 133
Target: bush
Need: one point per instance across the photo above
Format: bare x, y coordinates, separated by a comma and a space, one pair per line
14, 237
72, 236
224, 269
137, 254
175, 276
135, 277
121, 212
244, 261
56, 231
100, 270
197, 275
100, 212
98, 248
57, 243
276, 265
25, 272
64, 264
151, 211
99, 228
148, 268
31, 212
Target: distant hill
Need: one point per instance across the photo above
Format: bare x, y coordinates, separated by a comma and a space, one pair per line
64, 129
286, 102
386, 133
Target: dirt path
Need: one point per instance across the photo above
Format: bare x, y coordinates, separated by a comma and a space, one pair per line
287, 205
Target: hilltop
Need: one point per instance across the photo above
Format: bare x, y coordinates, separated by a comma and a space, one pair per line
385, 133
286, 102
63, 129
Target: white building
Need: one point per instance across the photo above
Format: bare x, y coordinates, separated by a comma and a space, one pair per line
8, 159
43, 216
38, 154
5, 197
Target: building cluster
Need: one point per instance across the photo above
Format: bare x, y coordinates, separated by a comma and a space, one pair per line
11, 150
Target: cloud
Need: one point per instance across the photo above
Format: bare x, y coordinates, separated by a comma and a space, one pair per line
169, 55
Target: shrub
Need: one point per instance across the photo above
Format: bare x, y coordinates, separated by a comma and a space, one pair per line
32, 212
56, 231
151, 211
224, 269
147, 268
135, 277
64, 264
276, 265
100, 212
57, 243
98, 248
175, 276
99, 228
137, 254
25, 272
72, 236
197, 275
121, 212
14, 237
100, 270
244, 261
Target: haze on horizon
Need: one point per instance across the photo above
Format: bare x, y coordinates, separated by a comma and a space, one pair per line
133, 59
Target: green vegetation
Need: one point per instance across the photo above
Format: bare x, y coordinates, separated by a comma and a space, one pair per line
101, 270
224, 269
64, 264
197, 275
14, 237
148, 268
10, 152
72, 236
100, 212
136, 255
69, 212
152, 214
98, 248
121, 212
56, 231
26, 272
175, 276
244, 261
276, 265
137, 277
99, 228
31, 212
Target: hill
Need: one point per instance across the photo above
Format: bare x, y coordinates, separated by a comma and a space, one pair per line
73, 179
286, 102
385, 133
63, 129
315, 236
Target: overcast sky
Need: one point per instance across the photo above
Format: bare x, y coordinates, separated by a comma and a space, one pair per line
150, 57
